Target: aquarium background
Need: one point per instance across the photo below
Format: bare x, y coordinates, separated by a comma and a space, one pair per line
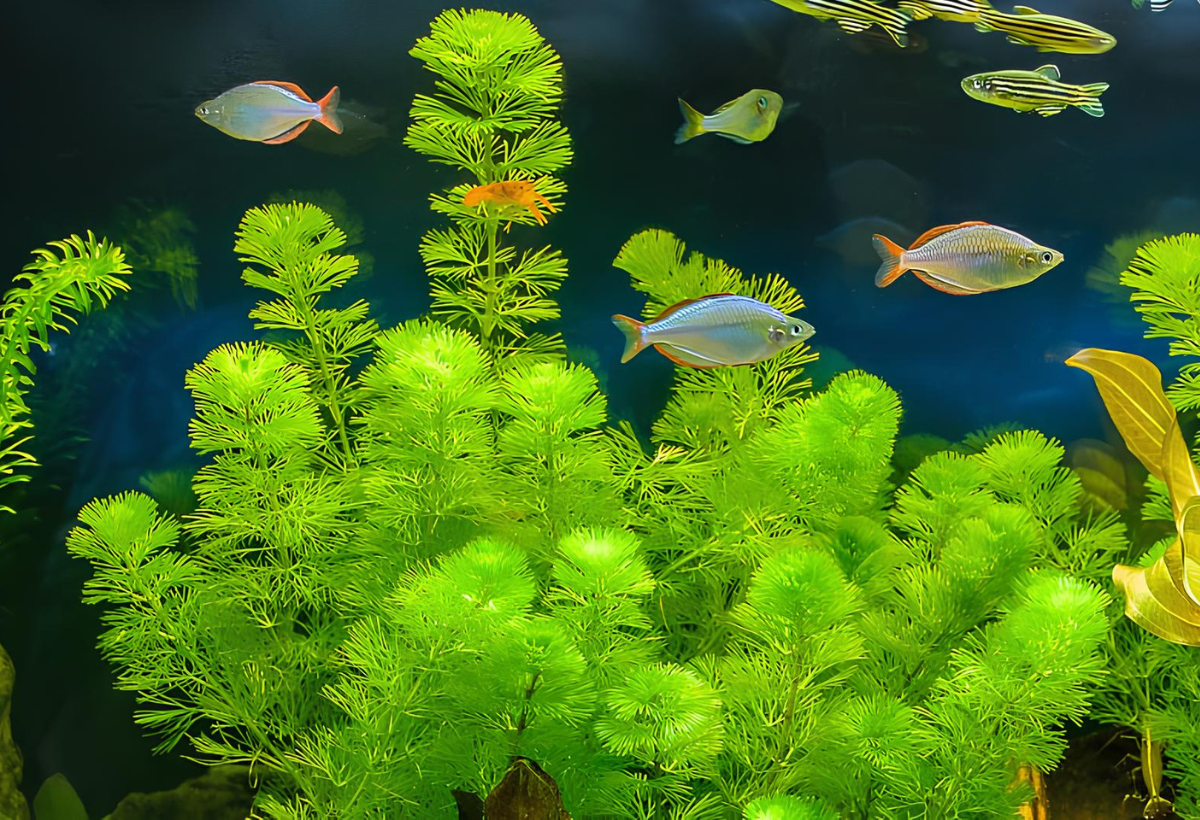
100, 108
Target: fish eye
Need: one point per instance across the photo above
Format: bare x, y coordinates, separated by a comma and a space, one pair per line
203, 110
762, 102
1047, 257
978, 84
795, 330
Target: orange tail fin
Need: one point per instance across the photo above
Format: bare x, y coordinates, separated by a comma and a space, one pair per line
893, 263
329, 104
635, 336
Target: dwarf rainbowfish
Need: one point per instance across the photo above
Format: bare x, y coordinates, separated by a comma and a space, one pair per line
971, 257
714, 331
269, 111
1030, 27
855, 16
749, 118
1038, 90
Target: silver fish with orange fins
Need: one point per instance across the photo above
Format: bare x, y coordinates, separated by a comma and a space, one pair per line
971, 257
269, 111
719, 330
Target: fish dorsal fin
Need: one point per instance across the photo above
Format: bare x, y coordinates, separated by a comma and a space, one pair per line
936, 232
682, 304
1050, 72
292, 87
1025, 11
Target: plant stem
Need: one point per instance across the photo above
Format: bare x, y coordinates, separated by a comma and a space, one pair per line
318, 347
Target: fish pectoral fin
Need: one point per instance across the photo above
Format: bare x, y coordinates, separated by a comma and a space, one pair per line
1050, 110
292, 87
288, 135
686, 358
942, 285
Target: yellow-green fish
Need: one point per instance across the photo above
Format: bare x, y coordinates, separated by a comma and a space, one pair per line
749, 118
269, 111
714, 331
971, 257
1029, 27
958, 11
855, 16
1038, 90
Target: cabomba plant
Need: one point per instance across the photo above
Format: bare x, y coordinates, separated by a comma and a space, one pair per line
69, 277
420, 562
491, 116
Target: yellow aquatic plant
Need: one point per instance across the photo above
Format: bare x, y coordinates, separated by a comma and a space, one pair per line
1159, 598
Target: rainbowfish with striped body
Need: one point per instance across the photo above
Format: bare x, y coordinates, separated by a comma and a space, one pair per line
1038, 90
971, 257
749, 118
714, 331
1029, 27
855, 16
958, 11
269, 111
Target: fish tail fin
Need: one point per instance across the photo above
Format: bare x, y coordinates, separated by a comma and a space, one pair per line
329, 117
893, 262
693, 123
635, 335
1094, 106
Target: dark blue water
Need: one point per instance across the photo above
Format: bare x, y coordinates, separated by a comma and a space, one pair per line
99, 106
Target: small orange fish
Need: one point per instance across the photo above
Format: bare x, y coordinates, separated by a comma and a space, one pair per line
511, 192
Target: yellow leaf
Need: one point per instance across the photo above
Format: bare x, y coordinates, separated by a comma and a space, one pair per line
1154, 602
1131, 388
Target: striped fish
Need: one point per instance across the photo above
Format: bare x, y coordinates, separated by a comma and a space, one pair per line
971, 257
959, 11
856, 16
714, 331
1029, 27
1039, 90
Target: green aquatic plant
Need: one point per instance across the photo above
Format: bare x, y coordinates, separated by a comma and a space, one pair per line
69, 277
1150, 690
403, 579
346, 218
1165, 278
66, 279
491, 117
